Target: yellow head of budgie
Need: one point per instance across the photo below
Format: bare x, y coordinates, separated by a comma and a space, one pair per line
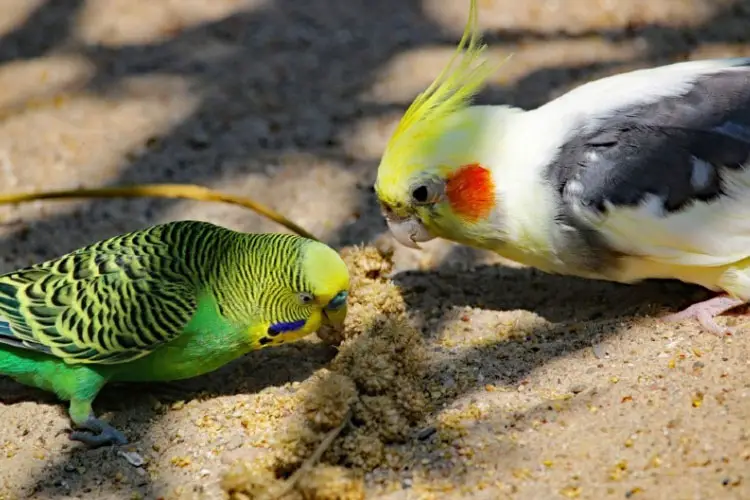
430, 179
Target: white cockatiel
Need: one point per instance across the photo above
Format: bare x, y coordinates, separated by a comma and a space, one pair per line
634, 176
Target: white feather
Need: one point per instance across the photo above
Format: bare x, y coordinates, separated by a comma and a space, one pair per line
715, 233
644, 86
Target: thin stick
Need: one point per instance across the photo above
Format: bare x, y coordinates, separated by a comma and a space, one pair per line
313, 459
184, 191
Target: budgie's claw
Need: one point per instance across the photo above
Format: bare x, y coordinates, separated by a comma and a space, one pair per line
98, 433
706, 311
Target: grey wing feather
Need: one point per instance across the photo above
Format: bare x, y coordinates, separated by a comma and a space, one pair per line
677, 150
668, 180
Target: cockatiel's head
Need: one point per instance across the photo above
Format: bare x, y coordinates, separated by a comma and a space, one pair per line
432, 180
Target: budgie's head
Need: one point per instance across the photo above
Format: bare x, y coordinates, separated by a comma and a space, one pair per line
304, 286
431, 180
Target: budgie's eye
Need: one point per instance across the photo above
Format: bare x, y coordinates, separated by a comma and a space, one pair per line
305, 298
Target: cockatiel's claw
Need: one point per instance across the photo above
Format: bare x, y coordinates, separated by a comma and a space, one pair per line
706, 311
98, 433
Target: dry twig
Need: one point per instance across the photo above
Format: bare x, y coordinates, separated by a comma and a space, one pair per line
290, 483
184, 191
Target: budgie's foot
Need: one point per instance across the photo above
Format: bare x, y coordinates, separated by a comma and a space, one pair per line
98, 433
706, 311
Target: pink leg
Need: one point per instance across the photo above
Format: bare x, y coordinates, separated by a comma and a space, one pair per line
705, 312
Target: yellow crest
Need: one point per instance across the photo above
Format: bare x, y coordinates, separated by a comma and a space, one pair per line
451, 91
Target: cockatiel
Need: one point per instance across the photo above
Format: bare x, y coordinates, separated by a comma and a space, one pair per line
635, 176
169, 302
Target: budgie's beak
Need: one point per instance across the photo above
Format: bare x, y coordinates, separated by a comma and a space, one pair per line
334, 313
335, 318
409, 231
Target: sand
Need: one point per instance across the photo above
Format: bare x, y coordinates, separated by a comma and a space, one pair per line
544, 387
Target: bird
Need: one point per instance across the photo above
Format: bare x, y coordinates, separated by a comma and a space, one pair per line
634, 176
164, 303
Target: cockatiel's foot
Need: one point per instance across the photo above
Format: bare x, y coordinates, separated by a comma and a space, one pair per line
97, 433
706, 311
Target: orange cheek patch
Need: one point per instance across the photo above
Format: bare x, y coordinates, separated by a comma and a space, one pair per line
471, 192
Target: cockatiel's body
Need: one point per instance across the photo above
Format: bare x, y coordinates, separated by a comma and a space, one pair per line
169, 302
635, 176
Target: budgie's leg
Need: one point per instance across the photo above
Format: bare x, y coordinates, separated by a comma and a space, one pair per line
706, 311
80, 385
77, 384
96, 432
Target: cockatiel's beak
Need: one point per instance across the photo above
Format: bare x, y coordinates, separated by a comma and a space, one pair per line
409, 231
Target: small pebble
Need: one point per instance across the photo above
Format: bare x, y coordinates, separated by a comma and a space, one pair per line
577, 388
600, 351
132, 457
426, 433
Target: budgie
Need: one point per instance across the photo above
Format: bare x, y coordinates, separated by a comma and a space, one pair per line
165, 303
640, 175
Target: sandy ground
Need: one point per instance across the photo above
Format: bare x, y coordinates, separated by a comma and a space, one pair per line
542, 387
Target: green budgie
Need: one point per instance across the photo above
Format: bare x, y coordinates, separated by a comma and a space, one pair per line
169, 302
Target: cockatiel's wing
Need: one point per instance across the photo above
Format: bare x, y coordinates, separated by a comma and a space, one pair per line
104, 304
656, 161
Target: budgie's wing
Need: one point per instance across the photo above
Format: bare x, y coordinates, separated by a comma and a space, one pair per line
103, 304
668, 179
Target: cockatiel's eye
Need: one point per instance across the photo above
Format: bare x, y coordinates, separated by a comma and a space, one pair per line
420, 194
426, 192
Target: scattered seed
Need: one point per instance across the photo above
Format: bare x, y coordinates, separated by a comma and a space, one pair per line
181, 461
571, 491
654, 463
697, 399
